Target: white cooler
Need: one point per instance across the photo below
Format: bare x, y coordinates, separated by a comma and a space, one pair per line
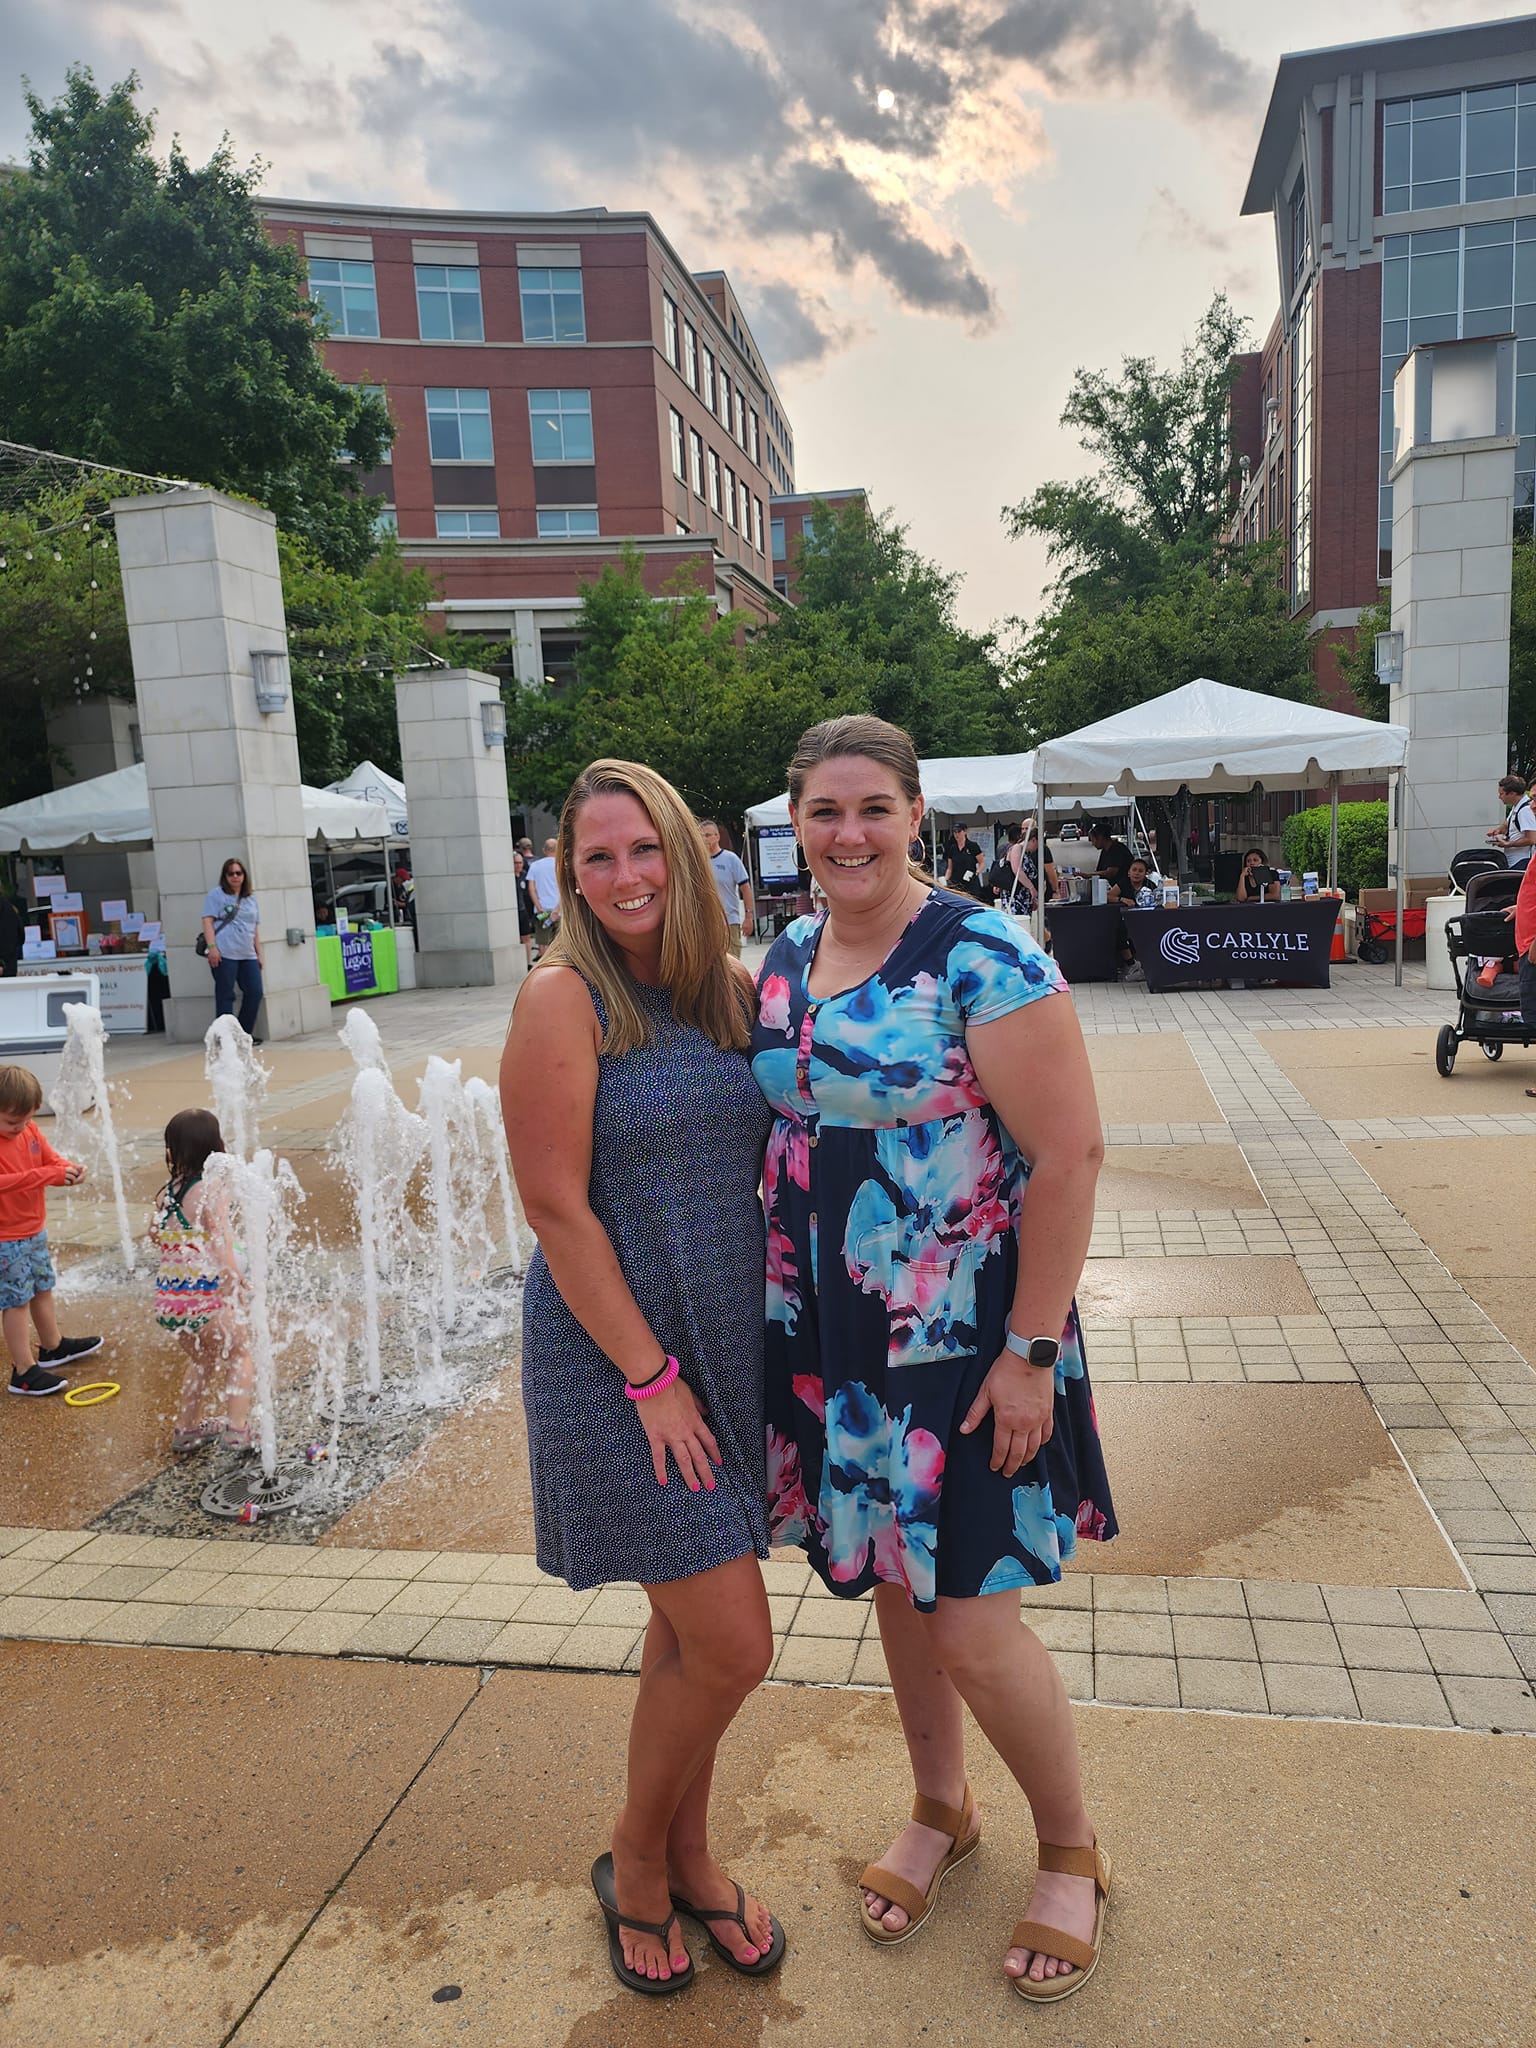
32, 1023
1438, 972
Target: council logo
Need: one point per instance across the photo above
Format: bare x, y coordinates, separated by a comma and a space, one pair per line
1180, 947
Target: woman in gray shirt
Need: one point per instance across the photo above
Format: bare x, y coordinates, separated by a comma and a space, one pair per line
232, 927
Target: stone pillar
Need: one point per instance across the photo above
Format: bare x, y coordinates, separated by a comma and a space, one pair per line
201, 589
461, 831
1452, 524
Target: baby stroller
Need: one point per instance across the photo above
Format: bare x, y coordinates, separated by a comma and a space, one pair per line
1489, 1017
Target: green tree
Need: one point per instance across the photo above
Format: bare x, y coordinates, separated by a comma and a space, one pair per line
147, 323
1083, 662
1164, 473
1522, 660
899, 635
349, 636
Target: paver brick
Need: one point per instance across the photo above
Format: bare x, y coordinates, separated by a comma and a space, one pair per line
1132, 1635
1224, 1636
1492, 1703
193, 1628
259, 1628
323, 1633
592, 1647
525, 1643
457, 1639
1124, 1594
1402, 1698
1135, 1681
1207, 1596
869, 1665
1311, 1689
135, 1621
389, 1635
1297, 1642
556, 1604
1221, 1682
1076, 1668
1469, 1653
840, 1618
815, 1660
1377, 1606
1274, 1600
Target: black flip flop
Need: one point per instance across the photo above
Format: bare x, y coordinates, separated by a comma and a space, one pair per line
607, 1898
703, 1916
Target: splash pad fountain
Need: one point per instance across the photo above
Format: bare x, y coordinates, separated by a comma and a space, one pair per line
399, 1320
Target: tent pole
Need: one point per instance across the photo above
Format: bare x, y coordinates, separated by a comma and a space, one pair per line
933, 843
1397, 816
1042, 855
1333, 830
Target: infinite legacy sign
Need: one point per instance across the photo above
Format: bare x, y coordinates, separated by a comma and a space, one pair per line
1235, 942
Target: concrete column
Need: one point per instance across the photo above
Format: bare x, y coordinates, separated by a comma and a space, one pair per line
201, 589
1452, 522
527, 656
461, 831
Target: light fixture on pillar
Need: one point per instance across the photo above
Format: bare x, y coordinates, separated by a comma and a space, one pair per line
493, 722
269, 665
1389, 659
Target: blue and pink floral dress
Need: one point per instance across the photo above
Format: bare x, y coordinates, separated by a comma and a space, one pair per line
893, 1195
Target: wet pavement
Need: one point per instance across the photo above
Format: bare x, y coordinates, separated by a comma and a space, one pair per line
385, 1748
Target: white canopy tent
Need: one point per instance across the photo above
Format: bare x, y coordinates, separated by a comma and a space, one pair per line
1208, 736
374, 785
113, 810
963, 786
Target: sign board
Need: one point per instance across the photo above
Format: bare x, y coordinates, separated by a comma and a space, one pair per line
122, 989
1235, 942
357, 961
48, 885
776, 853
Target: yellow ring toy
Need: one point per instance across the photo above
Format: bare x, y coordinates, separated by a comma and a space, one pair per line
92, 1394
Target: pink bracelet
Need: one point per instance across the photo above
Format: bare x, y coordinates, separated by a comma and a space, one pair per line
659, 1385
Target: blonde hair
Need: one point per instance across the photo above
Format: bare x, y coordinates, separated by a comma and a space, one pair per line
695, 966
21, 1093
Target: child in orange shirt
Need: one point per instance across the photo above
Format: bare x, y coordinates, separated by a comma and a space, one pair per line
28, 1167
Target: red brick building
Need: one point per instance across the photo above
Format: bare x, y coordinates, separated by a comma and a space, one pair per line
560, 384
1401, 176
787, 527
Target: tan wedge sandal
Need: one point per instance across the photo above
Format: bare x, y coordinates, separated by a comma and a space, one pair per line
947, 1820
1054, 1941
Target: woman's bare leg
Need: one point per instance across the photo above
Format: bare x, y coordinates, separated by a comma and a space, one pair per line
933, 1723
690, 1691
1007, 1678
691, 1867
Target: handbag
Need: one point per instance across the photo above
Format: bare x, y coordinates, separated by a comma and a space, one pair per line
202, 937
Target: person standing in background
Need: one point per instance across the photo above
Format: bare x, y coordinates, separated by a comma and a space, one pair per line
732, 882
11, 936
962, 870
1516, 837
544, 888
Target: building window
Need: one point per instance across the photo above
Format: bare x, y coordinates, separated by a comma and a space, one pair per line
725, 401
776, 538
675, 419
346, 292
707, 389
756, 442
781, 585
1449, 284
468, 526
1453, 147
567, 522
696, 462
741, 417
448, 303
746, 510
730, 496
385, 522
553, 309
714, 481
1301, 242
757, 524
1301, 455
691, 355
669, 329
562, 425
459, 425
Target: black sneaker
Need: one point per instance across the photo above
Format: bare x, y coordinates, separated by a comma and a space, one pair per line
37, 1381
68, 1349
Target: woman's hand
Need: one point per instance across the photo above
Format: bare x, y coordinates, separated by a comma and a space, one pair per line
1022, 1398
212, 956
673, 1421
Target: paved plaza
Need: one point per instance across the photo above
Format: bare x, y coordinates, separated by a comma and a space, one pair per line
346, 1789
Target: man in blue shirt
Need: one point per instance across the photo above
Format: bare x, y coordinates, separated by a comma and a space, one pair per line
733, 883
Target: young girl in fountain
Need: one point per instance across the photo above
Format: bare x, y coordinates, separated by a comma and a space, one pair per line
198, 1285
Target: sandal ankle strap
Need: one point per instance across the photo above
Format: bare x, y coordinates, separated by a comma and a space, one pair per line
1074, 1862
946, 1820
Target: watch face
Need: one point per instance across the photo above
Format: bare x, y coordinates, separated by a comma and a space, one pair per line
1044, 1351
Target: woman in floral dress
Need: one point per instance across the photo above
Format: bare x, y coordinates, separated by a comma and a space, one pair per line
931, 1433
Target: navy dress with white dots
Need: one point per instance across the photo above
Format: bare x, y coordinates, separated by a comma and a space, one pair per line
678, 1131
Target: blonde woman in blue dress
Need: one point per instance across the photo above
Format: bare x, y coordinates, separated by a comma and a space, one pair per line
929, 1186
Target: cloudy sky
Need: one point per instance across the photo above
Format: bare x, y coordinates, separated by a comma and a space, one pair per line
933, 209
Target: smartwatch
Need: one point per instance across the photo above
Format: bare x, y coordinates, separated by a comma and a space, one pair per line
1041, 1351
